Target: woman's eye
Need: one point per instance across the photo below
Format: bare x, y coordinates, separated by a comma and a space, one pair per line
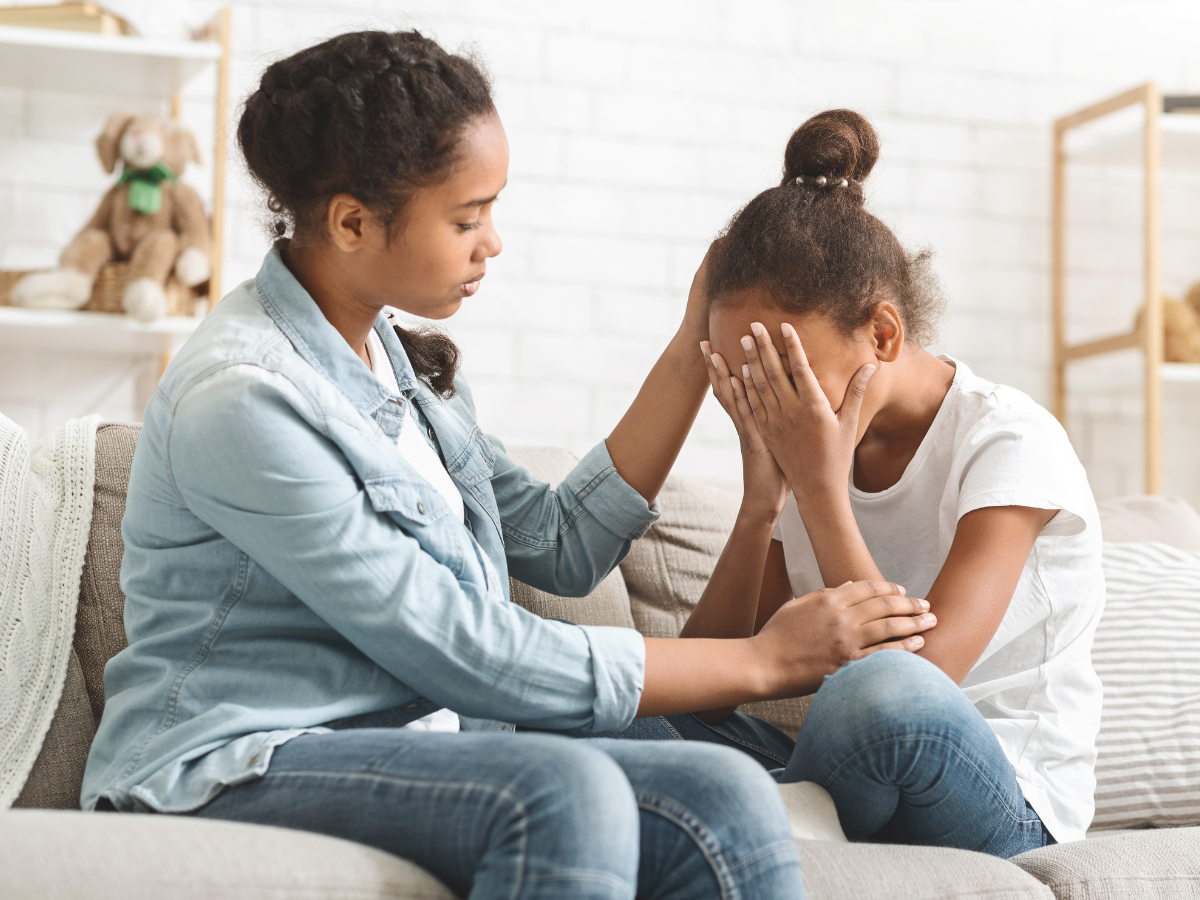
468, 226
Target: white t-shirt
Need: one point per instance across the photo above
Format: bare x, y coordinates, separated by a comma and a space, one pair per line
991, 445
422, 457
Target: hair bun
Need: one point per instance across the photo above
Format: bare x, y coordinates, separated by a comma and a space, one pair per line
838, 143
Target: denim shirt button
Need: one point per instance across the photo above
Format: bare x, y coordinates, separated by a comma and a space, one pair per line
420, 507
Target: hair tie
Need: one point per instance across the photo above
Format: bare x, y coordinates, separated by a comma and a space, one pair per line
821, 181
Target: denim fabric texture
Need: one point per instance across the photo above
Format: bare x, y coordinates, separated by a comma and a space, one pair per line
905, 756
286, 570
538, 816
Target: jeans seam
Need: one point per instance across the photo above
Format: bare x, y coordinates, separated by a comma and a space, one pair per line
756, 748
701, 836
519, 881
940, 740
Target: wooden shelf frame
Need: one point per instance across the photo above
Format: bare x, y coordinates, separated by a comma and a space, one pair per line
1149, 338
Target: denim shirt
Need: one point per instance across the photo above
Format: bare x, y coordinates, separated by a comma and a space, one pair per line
287, 571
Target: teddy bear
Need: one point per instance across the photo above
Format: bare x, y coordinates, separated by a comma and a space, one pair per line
148, 217
1181, 327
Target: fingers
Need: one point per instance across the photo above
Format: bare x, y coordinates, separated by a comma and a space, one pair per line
807, 386
847, 413
895, 628
856, 592
890, 605
718, 377
765, 369
911, 644
742, 399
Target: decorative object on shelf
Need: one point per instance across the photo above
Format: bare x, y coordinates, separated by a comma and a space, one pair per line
108, 288
148, 218
70, 16
1181, 327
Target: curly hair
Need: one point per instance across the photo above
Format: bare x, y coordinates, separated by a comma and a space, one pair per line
813, 247
374, 114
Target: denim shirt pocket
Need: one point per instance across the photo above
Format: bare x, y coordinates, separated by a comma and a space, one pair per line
421, 513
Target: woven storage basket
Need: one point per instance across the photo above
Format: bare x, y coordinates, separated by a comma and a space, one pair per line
110, 284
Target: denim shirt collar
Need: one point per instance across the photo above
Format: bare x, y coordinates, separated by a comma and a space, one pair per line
322, 346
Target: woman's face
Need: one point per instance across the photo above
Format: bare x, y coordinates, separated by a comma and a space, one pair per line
833, 355
445, 236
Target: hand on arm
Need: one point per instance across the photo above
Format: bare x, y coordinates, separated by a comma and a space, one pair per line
977, 582
807, 639
648, 438
814, 447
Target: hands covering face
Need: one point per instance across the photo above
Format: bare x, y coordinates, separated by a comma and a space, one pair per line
780, 410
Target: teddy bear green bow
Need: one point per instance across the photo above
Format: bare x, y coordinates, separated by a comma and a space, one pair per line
145, 186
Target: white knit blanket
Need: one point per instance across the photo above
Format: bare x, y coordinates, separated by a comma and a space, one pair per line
45, 517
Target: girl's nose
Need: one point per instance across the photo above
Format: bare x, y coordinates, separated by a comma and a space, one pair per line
491, 245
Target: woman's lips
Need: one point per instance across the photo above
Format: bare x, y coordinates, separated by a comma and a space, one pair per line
470, 287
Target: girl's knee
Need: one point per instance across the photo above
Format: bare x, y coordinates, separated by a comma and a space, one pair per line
887, 690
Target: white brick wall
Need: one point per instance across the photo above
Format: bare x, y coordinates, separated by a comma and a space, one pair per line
637, 128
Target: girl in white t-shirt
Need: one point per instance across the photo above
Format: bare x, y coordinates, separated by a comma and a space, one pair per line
865, 457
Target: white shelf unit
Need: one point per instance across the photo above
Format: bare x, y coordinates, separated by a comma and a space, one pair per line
43, 59
1166, 138
76, 62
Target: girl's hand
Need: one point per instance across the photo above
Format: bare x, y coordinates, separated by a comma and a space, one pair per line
765, 491
815, 635
813, 445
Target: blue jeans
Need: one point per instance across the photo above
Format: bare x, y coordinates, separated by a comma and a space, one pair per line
906, 757
536, 815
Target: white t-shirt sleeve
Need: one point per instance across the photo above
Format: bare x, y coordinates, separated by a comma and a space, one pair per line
1023, 458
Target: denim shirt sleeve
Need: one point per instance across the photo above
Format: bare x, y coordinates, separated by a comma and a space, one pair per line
247, 455
566, 539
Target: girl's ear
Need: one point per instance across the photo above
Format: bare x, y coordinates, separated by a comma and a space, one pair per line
887, 332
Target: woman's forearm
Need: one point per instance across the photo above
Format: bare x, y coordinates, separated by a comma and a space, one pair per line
689, 675
648, 438
729, 605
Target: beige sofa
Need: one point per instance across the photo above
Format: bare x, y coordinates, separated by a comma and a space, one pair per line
48, 849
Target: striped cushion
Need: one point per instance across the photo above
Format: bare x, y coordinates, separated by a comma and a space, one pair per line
1147, 654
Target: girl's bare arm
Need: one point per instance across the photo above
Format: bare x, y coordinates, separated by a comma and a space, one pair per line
977, 583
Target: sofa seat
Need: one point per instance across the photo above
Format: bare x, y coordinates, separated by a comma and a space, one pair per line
56, 855
1152, 864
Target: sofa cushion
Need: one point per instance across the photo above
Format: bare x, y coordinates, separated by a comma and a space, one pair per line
667, 570
1157, 864
1170, 520
100, 622
1147, 654
836, 871
109, 856
56, 778
608, 604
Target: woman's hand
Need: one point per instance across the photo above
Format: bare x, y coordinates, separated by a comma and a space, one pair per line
813, 445
815, 635
694, 327
764, 488
803, 642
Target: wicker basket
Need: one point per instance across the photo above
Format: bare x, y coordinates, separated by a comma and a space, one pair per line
110, 285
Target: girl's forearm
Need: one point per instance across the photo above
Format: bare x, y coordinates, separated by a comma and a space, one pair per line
648, 438
838, 545
729, 605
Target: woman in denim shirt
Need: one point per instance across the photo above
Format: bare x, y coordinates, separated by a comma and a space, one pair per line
306, 600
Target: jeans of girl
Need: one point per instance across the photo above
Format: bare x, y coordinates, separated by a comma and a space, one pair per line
535, 816
906, 757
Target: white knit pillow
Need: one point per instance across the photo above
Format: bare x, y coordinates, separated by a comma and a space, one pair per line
1147, 654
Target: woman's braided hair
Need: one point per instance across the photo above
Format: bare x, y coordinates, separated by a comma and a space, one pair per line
373, 114
813, 247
